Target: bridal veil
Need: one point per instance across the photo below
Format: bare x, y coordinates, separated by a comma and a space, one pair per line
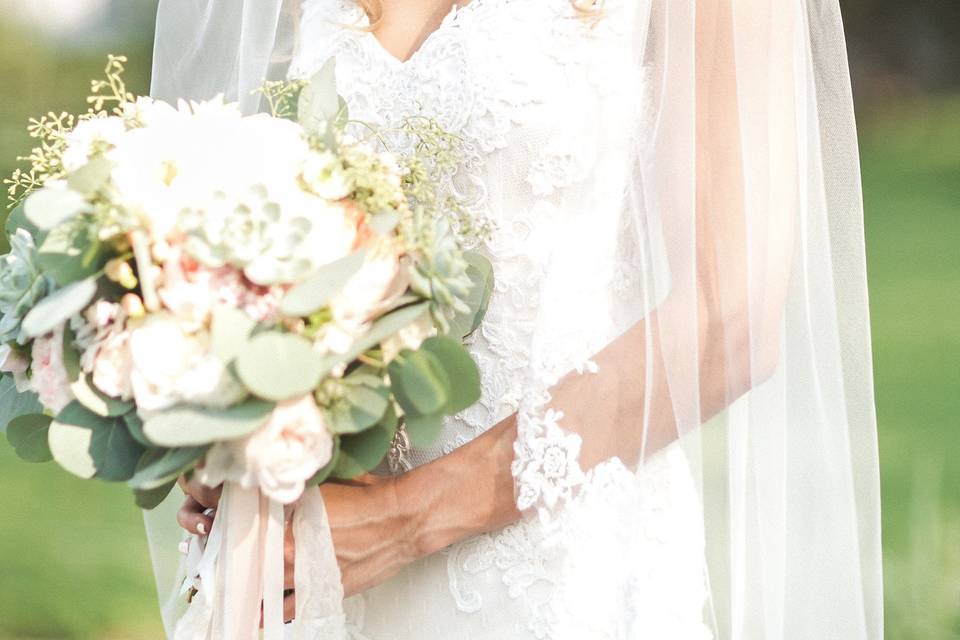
724, 261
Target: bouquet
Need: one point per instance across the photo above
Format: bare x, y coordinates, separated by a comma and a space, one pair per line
265, 294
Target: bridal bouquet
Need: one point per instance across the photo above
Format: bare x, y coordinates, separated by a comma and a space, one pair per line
264, 293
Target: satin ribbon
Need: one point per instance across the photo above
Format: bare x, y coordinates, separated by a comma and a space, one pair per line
242, 566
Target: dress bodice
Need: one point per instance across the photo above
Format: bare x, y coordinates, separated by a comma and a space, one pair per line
523, 84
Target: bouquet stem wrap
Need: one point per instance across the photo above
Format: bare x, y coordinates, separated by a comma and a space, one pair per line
242, 567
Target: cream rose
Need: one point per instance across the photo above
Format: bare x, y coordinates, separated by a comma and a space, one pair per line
279, 457
172, 366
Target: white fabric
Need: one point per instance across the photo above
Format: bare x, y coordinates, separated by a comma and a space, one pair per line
678, 242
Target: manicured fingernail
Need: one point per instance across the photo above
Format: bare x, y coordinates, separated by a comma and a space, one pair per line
210, 512
184, 547
202, 528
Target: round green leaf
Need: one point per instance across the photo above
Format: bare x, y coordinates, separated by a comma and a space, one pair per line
158, 466
70, 447
59, 306
114, 451
278, 366
315, 291
423, 429
14, 403
28, 436
188, 426
359, 453
460, 370
148, 499
50, 206
419, 382
230, 332
96, 400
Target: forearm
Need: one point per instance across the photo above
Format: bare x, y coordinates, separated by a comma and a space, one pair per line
463, 494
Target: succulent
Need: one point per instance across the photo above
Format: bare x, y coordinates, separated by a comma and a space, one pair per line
441, 269
22, 285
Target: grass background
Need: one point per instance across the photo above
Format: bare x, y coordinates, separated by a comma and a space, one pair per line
73, 559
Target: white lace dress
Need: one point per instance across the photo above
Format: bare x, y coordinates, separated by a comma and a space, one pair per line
523, 82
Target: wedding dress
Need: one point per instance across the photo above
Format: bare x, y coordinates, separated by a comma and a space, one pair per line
493, 73
687, 167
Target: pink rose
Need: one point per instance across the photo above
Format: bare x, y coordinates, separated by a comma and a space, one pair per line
49, 379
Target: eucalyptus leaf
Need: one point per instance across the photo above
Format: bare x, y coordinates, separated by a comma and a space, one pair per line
419, 382
480, 272
149, 499
189, 426
50, 206
27, 435
460, 370
360, 408
71, 253
135, 427
315, 291
279, 366
18, 220
97, 401
423, 429
159, 466
115, 452
231, 329
14, 403
58, 307
91, 177
71, 438
362, 452
319, 103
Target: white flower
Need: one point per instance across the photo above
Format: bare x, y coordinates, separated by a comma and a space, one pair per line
172, 366
279, 457
89, 136
323, 173
49, 375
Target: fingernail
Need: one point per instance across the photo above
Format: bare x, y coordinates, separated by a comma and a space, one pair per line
202, 528
210, 512
184, 547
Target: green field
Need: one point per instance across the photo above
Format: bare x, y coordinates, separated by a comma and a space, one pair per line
73, 561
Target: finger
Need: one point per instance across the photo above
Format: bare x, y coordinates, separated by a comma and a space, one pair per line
209, 497
195, 518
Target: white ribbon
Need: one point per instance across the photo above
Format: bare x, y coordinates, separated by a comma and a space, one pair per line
242, 567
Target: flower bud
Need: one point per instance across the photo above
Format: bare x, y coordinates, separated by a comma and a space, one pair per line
121, 272
133, 305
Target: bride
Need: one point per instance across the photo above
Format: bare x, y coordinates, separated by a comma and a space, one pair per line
676, 436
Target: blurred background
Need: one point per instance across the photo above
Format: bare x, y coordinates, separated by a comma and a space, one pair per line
73, 559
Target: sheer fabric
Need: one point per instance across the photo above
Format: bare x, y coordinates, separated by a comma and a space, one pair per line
680, 318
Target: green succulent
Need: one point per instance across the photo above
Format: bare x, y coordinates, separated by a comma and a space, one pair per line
441, 270
22, 285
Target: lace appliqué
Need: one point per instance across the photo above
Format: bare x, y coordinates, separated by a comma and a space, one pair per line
546, 465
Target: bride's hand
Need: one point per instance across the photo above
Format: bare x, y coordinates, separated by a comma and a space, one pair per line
373, 536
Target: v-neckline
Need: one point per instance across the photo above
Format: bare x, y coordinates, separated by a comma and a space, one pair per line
424, 44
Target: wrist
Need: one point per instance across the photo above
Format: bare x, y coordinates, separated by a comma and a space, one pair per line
463, 494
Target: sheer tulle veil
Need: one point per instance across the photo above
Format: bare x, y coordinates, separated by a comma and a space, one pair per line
739, 326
